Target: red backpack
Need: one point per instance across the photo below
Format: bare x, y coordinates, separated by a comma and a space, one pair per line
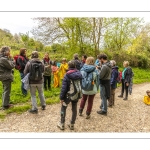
17, 66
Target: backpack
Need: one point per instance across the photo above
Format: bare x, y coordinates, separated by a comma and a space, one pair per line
35, 70
119, 77
75, 91
88, 82
17, 66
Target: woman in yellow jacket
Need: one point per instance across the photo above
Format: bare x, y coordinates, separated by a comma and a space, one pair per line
55, 71
63, 68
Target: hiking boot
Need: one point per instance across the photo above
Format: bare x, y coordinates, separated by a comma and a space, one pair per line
87, 117
61, 125
102, 112
109, 105
120, 95
43, 107
80, 112
35, 111
125, 98
71, 126
7, 107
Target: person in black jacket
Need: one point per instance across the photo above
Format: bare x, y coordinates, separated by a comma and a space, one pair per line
126, 79
22, 61
77, 61
72, 74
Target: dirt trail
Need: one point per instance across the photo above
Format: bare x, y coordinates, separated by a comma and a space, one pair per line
126, 116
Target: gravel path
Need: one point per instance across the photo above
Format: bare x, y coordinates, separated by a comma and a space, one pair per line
126, 116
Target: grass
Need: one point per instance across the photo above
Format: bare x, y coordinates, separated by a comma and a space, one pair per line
22, 104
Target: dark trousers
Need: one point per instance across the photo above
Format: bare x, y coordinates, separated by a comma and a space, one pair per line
6, 92
111, 100
74, 112
124, 88
47, 82
90, 103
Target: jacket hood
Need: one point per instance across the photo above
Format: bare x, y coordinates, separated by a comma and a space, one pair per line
88, 68
115, 67
108, 64
74, 74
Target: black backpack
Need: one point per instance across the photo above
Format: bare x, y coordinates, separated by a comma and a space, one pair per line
36, 69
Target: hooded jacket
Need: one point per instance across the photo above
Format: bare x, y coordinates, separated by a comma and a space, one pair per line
105, 75
6, 67
114, 75
72, 74
87, 69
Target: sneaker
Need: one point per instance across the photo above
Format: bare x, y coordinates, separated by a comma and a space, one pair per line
87, 117
125, 98
35, 111
43, 107
102, 112
61, 126
71, 126
7, 107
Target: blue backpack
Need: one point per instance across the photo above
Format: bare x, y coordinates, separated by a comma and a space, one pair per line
87, 81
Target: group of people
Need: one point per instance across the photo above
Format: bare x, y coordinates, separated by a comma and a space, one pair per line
101, 73
105, 75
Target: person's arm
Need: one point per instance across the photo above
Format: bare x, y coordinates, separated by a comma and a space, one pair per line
103, 72
26, 70
9, 64
64, 88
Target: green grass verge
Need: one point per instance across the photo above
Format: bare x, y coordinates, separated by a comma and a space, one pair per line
22, 103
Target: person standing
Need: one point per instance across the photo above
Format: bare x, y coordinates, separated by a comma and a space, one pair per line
47, 73
63, 68
77, 61
113, 83
72, 74
127, 75
36, 69
6, 75
22, 61
84, 57
55, 71
89, 67
105, 75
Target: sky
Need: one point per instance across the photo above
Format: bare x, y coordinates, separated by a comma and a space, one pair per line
23, 22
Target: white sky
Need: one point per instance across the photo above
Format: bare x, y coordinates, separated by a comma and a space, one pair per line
21, 21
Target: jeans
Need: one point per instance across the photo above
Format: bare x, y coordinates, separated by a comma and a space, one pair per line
6, 92
103, 98
90, 103
24, 92
74, 113
33, 88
